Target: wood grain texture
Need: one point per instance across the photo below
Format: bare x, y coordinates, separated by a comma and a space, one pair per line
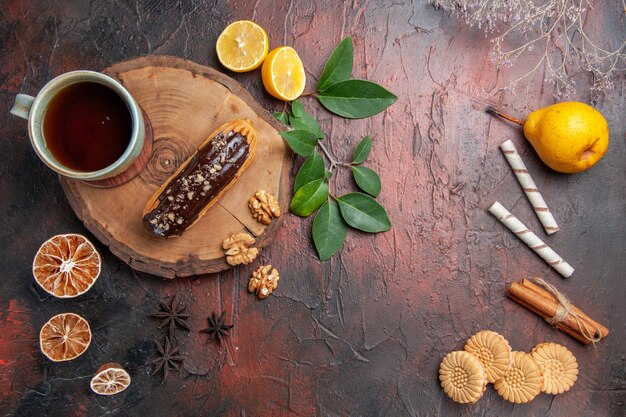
362, 334
185, 103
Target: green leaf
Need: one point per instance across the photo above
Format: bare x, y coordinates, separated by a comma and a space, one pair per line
328, 174
362, 150
356, 99
364, 213
309, 198
367, 180
339, 65
297, 108
301, 142
329, 230
307, 122
282, 117
311, 170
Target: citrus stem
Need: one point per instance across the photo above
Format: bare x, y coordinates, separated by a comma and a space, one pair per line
495, 112
309, 94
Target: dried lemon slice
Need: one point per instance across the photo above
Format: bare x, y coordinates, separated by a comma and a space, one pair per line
493, 351
462, 377
522, 382
64, 337
67, 265
110, 379
559, 367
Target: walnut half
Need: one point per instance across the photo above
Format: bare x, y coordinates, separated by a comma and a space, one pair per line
238, 250
264, 207
264, 280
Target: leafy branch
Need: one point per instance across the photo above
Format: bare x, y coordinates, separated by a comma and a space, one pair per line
347, 98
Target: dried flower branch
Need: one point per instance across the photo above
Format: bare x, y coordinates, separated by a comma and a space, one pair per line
554, 27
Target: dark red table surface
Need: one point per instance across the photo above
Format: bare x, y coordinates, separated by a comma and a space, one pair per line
361, 334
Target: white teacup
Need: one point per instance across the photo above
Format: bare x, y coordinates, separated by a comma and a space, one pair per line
34, 109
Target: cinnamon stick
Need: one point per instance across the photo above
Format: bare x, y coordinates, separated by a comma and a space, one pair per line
591, 324
542, 302
539, 306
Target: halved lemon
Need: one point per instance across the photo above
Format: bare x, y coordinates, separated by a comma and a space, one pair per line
67, 265
283, 74
242, 46
110, 379
64, 337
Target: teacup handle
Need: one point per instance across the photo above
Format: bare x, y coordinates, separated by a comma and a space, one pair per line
23, 103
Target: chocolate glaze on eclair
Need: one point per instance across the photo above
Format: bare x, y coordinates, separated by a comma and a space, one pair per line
201, 180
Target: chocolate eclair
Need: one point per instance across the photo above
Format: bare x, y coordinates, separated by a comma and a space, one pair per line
201, 180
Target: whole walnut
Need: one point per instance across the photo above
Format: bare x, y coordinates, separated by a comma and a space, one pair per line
263, 281
238, 250
264, 207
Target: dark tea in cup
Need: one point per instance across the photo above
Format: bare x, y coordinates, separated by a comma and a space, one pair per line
87, 126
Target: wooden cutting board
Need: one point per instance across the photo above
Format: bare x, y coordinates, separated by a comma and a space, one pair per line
185, 102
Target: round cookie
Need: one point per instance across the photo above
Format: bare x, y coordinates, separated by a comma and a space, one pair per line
522, 382
462, 377
559, 367
493, 351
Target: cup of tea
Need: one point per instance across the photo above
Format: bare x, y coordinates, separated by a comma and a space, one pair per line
84, 125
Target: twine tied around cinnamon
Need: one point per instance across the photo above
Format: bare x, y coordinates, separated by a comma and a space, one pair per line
563, 309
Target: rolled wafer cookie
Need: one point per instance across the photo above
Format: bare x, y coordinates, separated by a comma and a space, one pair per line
531, 239
529, 187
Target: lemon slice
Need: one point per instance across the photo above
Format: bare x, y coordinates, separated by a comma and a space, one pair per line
283, 74
64, 337
110, 379
67, 265
242, 46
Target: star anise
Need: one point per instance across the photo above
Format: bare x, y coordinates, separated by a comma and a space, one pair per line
218, 329
172, 315
168, 357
